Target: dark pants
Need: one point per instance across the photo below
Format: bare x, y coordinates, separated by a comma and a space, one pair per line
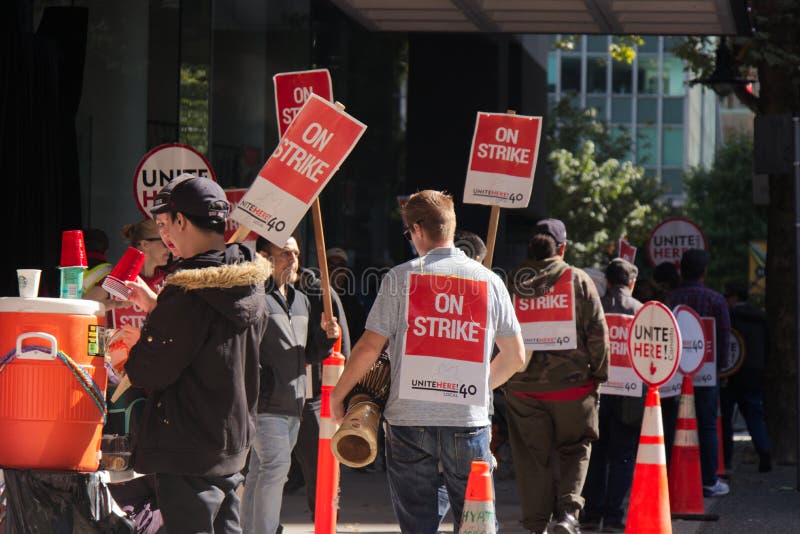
194, 504
706, 406
751, 406
611, 463
669, 418
550, 444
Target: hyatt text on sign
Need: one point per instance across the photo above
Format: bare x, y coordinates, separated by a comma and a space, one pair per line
502, 160
316, 143
292, 89
445, 343
654, 343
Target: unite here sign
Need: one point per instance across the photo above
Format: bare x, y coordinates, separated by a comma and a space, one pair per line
502, 160
445, 358
292, 89
316, 143
654, 343
622, 379
548, 321
671, 238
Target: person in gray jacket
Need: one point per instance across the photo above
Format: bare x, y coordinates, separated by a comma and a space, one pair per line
291, 341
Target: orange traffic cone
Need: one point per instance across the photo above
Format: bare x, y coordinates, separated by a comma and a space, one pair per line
478, 515
685, 480
648, 509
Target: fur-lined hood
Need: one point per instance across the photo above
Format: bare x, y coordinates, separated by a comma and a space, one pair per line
230, 281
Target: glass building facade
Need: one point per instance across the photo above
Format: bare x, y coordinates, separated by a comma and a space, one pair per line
673, 127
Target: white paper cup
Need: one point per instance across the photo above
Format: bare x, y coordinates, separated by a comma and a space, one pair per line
29, 282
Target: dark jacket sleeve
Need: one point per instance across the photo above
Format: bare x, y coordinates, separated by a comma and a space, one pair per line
595, 330
318, 346
168, 341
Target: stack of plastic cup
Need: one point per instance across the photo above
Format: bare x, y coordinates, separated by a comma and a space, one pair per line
126, 270
73, 263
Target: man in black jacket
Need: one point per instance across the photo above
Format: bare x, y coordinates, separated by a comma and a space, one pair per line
292, 340
198, 358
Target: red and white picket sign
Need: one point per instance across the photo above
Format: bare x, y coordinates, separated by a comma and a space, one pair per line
292, 89
622, 379
707, 374
445, 344
502, 160
234, 196
671, 238
626, 250
654, 343
316, 143
548, 321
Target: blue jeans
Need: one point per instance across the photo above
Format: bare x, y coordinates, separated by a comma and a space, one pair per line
706, 404
413, 454
270, 458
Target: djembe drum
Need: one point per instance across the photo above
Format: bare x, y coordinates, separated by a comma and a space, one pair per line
355, 444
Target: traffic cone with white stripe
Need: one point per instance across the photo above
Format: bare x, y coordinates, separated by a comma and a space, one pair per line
685, 480
478, 515
327, 496
648, 509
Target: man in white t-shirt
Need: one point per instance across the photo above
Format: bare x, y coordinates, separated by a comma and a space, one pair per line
442, 314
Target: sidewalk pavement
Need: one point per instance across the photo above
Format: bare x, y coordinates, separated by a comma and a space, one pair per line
764, 502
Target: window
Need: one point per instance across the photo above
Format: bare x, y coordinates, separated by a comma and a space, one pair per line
674, 76
596, 74
672, 146
570, 73
672, 180
648, 75
650, 44
672, 111
552, 72
646, 110
621, 109
597, 43
598, 103
646, 146
621, 78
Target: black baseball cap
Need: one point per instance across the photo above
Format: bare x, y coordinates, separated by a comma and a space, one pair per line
552, 227
200, 197
162, 197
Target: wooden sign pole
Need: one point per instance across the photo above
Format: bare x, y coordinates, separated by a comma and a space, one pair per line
494, 221
319, 239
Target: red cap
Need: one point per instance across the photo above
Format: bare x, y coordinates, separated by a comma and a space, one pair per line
73, 250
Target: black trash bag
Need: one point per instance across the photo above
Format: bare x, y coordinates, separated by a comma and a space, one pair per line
57, 502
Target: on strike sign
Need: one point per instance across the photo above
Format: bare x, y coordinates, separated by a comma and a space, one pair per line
163, 164
292, 89
654, 343
671, 238
314, 146
502, 160
445, 343
622, 379
548, 321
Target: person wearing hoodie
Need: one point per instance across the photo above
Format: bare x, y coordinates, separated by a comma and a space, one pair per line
553, 401
197, 356
292, 340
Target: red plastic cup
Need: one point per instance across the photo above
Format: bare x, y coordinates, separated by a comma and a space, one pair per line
73, 250
126, 270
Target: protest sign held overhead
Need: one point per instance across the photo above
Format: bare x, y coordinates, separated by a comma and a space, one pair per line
445, 343
234, 196
502, 160
622, 379
316, 143
292, 89
548, 321
162, 165
654, 343
671, 238
626, 251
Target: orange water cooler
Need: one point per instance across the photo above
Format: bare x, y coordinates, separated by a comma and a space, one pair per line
52, 383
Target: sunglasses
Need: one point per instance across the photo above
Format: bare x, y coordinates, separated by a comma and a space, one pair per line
407, 229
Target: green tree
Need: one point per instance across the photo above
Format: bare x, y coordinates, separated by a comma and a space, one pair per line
720, 200
772, 54
598, 193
